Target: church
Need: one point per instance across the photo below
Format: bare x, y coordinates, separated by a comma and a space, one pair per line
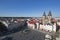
47, 18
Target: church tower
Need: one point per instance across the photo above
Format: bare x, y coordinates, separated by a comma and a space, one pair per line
44, 17
49, 16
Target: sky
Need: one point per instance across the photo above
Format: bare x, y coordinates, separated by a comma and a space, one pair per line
29, 8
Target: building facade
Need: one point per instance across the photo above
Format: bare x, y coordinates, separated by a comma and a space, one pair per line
46, 18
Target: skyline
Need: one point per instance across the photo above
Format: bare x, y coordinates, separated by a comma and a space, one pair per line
27, 8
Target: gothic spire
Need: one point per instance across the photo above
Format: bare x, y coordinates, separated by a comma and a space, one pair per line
44, 14
49, 13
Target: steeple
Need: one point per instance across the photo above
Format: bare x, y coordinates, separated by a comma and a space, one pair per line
44, 14
43, 18
49, 16
49, 13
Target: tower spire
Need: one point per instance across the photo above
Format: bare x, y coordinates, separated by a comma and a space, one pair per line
49, 13
44, 14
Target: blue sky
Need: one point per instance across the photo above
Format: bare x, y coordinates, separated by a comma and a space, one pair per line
27, 8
